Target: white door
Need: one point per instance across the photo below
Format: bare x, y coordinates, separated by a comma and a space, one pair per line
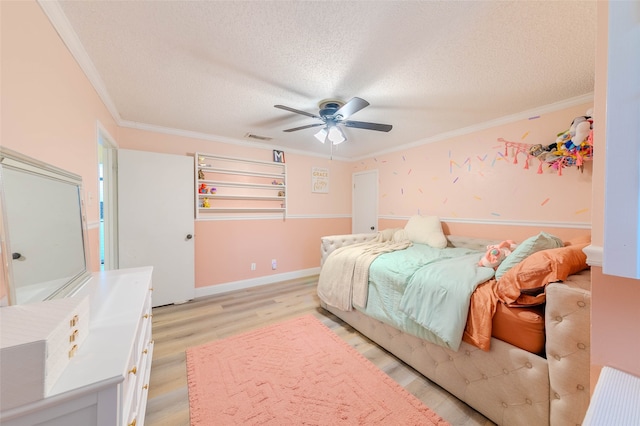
364, 209
155, 221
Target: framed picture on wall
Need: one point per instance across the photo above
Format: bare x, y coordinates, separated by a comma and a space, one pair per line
278, 156
320, 180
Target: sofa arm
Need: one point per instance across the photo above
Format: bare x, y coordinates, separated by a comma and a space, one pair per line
567, 321
332, 242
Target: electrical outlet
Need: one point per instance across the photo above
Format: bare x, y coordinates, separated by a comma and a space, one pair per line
253, 266
274, 264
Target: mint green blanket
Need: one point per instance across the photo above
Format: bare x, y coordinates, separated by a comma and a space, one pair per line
426, 291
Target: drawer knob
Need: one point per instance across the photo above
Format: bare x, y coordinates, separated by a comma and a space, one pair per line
72, 351
133, 423
145, 387
146, 351
73, 336
147, 316
134, 370
74, 321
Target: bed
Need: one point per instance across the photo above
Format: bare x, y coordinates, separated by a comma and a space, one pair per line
510, 379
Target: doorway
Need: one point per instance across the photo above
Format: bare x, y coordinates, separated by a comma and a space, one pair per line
155, 221
108, 185
364, 218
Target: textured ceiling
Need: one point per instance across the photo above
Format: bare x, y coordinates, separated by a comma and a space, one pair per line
426, 67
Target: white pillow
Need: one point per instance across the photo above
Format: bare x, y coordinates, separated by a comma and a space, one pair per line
426, 230
400, 235
387, 234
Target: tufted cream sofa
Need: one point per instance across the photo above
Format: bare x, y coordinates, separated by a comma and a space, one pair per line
508, 385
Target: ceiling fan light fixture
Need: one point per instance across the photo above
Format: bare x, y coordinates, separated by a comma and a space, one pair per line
331, 133
321, 135
334, 114
336, 136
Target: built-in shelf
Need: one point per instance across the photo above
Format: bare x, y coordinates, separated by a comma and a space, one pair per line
228, 185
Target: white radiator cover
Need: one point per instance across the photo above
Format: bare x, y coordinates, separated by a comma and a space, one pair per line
615, 400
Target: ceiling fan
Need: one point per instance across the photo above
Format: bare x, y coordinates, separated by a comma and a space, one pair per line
333, 114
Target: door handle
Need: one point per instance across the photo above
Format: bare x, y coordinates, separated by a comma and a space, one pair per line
189, 236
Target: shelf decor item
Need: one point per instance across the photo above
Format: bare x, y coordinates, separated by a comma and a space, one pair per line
278, 156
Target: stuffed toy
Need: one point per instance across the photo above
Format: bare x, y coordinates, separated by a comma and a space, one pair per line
496, 254
579, 131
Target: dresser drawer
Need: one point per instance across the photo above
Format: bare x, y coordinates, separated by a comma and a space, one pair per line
139, 365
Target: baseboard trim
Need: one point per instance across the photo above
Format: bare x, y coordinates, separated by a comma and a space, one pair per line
216, 289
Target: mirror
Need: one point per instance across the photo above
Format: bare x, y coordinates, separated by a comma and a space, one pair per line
44, 236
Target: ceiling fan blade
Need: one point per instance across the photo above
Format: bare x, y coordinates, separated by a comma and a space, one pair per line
297, 111
351, 107
368, 126
308, 126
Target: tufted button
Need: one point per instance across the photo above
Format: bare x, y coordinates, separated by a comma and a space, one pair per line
559, 318
484, 377
435, 363
556, 395
580, 387
557, 357
450, 358
581, 304
504, 404
581, 346
505, 371
528, 365
528, 401
467, 352
467, 381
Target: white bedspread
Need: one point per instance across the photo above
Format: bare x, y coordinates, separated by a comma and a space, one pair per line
344, 278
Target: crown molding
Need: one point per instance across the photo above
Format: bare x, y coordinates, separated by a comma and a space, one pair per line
545, 109
221, 139
69, 37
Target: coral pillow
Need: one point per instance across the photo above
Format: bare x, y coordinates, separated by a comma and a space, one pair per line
426, 230
542, 241
522, 327
538, 270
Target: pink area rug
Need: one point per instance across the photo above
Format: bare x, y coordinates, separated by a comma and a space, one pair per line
297, 372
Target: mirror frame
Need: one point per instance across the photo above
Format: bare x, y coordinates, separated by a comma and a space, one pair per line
15, 160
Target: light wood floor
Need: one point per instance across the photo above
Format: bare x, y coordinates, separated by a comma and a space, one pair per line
177, 327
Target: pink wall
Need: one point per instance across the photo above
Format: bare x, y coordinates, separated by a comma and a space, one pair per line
495, 231
468, 177
615, 308
225, 249
300, 199
49, 109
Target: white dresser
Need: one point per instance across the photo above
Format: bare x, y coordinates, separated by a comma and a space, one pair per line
105, 382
